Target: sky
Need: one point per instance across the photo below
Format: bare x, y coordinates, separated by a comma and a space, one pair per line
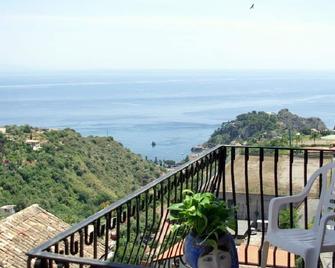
167, 34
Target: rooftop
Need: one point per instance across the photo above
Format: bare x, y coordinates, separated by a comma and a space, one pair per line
25, 230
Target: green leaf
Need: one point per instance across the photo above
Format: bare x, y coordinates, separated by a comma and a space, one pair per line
222, 228
203, 213
176, 206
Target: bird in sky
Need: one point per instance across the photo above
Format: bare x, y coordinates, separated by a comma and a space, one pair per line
252, 6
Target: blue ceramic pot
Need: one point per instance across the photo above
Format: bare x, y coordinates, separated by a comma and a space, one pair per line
193, 250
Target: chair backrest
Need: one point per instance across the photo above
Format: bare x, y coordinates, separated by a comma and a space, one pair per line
327, 196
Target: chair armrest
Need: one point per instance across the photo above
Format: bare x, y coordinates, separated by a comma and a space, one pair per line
320, 234
323, 226
275, 205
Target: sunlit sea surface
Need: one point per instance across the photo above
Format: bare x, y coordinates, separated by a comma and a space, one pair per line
175, 109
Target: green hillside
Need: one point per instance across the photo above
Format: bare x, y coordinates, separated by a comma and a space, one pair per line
69, 175
267, 129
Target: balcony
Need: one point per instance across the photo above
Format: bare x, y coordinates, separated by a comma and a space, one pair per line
135, 231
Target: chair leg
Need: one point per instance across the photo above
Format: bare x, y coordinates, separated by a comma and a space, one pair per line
265, 254
311, 261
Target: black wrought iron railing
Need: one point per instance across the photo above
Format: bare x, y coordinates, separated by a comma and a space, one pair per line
135, 231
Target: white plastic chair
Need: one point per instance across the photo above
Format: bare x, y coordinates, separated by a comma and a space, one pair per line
306, 243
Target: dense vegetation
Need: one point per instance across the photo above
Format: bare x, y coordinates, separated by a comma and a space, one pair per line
267, 129
69, 175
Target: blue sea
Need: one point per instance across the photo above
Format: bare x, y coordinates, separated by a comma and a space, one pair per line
175, 109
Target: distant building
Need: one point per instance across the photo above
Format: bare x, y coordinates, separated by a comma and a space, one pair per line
197, 149
3, 130
35, 144
8, 209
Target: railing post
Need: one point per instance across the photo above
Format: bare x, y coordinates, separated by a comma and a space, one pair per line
29, 262
222, 172
305, 182
233, 188
41, 263
260, 170
246, 181
321, 164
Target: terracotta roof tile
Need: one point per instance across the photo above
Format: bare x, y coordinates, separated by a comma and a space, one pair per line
25, 230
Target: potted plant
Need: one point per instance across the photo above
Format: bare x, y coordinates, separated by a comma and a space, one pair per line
207, 219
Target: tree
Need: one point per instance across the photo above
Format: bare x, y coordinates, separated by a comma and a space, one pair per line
2, 143
2, 146
298, 138
314, 135
26, 128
